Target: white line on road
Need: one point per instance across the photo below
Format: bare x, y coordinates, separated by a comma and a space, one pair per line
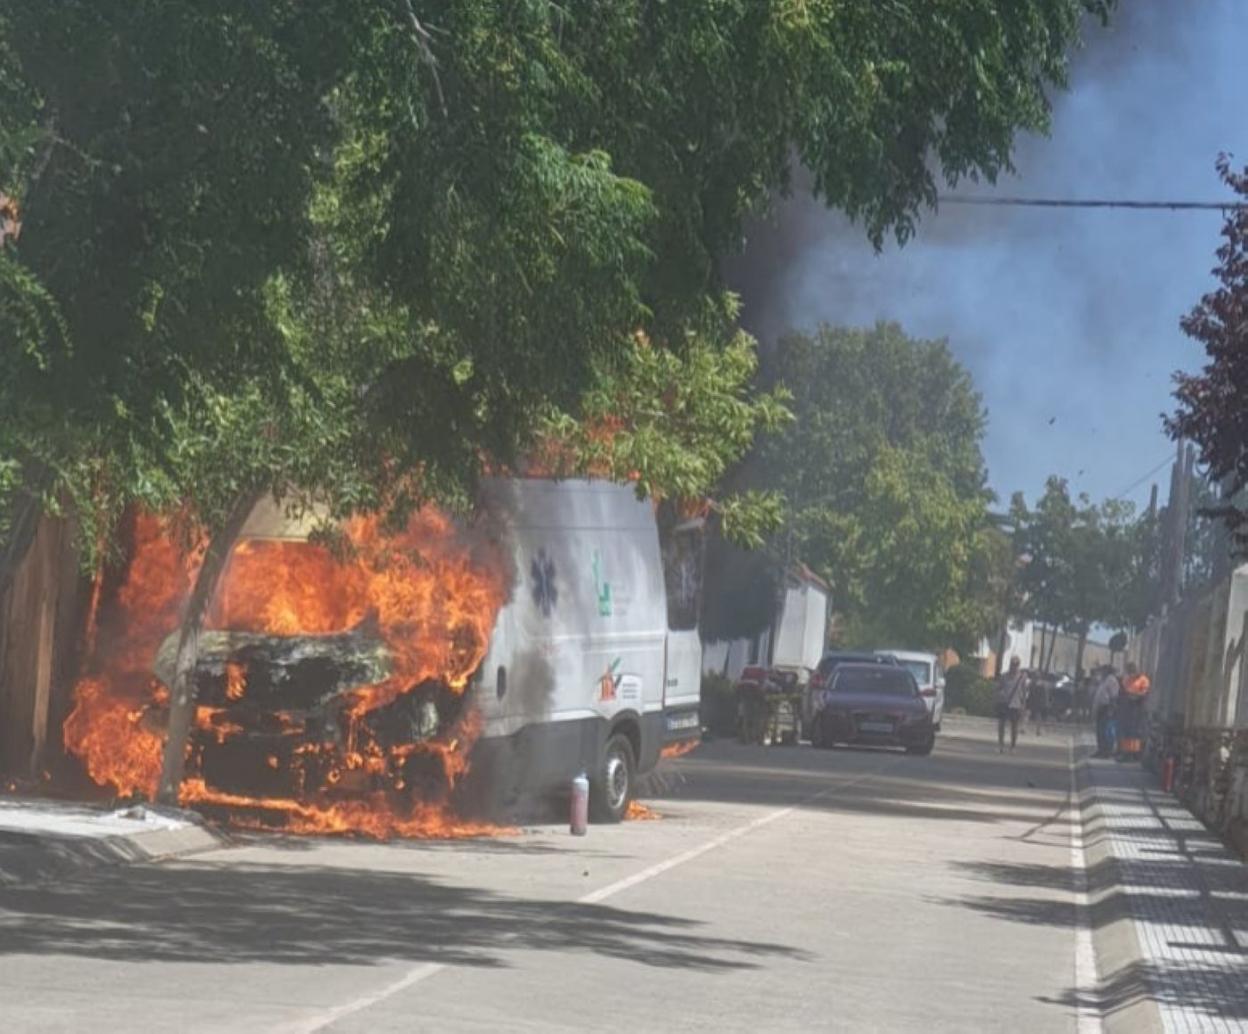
427, 969
324, 1019
612, 889
1087, 1020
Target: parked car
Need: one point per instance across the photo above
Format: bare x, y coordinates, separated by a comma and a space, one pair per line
874, 704
822, 676
929, 674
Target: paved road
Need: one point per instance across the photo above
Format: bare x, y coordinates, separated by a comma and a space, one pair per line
787, 889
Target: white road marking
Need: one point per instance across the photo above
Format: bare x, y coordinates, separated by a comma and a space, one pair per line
319, 1022
427, 969
1087, 1019
658, 869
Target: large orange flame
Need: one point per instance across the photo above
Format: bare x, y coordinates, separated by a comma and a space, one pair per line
108, 727
433, 593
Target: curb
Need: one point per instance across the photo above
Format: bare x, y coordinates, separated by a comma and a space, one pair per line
1122, 996
35, 856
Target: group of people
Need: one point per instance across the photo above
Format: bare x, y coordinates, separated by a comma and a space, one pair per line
1116, 703
1119, 709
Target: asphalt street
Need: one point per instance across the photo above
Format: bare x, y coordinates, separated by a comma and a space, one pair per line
782, 889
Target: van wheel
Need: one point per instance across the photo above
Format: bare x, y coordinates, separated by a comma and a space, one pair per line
612, 786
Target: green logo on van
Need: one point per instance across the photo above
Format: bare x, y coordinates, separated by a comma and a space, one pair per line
602, 588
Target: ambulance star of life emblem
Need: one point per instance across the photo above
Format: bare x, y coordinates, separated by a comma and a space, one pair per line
545, 592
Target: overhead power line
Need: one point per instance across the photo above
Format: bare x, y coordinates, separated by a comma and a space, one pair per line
1059, 202
1140, 480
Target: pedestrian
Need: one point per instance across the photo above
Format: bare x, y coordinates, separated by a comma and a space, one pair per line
1083, 697
1104, 700
1038, 703
1131, 713
1011, 699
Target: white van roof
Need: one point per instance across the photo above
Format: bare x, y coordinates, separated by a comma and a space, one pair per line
571, 504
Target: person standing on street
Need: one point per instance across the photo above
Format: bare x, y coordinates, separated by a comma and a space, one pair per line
1132, 715
1011, 699
1104, 700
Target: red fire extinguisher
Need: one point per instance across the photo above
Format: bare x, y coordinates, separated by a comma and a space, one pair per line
1167, 774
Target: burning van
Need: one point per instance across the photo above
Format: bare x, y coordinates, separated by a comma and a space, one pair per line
392, 689
595, 663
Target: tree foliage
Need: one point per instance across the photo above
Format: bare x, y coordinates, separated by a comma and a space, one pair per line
1211, 409
884, 482
1082, 563
511, 190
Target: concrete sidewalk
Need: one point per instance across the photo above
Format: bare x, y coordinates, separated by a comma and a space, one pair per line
42, 839
1168, 908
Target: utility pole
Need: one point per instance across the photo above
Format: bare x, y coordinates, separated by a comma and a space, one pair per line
1183, 495
1169, 528
1222, 544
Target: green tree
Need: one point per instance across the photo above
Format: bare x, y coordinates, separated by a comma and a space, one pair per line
520, 185
884, 482
1082, 562
358, 251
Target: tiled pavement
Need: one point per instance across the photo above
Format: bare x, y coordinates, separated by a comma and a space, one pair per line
1186, 895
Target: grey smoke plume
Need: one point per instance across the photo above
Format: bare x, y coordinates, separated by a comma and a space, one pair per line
1067, 319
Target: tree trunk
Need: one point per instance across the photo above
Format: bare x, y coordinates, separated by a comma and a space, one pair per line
1048, 660
23, 523
182, 691
1044, 629
1083, 642
1003, 645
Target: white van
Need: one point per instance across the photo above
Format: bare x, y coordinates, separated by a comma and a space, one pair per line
593, 666
928, 673
595, 662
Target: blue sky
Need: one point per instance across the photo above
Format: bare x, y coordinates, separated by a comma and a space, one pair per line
1069, 316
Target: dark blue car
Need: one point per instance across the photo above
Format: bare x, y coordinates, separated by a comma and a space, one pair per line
873, 705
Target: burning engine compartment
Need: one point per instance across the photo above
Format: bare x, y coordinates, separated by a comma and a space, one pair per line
330, 690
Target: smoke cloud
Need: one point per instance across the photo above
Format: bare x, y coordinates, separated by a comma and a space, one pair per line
1068, 319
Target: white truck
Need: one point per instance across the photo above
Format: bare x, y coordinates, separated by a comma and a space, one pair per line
595, 662
800, 632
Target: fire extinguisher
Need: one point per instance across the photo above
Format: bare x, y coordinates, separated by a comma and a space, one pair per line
1167, 774
580, 805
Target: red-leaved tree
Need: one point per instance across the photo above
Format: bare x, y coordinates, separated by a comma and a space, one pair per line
1213, 404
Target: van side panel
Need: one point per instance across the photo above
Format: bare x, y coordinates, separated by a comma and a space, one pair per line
580, 647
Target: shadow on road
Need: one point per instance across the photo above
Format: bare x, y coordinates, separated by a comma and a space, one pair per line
1191, 898
1202, 989
309, 915
965, 780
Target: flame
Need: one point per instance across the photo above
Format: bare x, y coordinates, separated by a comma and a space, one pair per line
638, 812
108, 727
679, 750
235, 680
433, 595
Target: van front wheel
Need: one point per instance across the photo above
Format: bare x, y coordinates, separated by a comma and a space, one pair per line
612, 786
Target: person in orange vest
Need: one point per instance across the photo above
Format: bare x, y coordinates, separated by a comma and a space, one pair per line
1131, 713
